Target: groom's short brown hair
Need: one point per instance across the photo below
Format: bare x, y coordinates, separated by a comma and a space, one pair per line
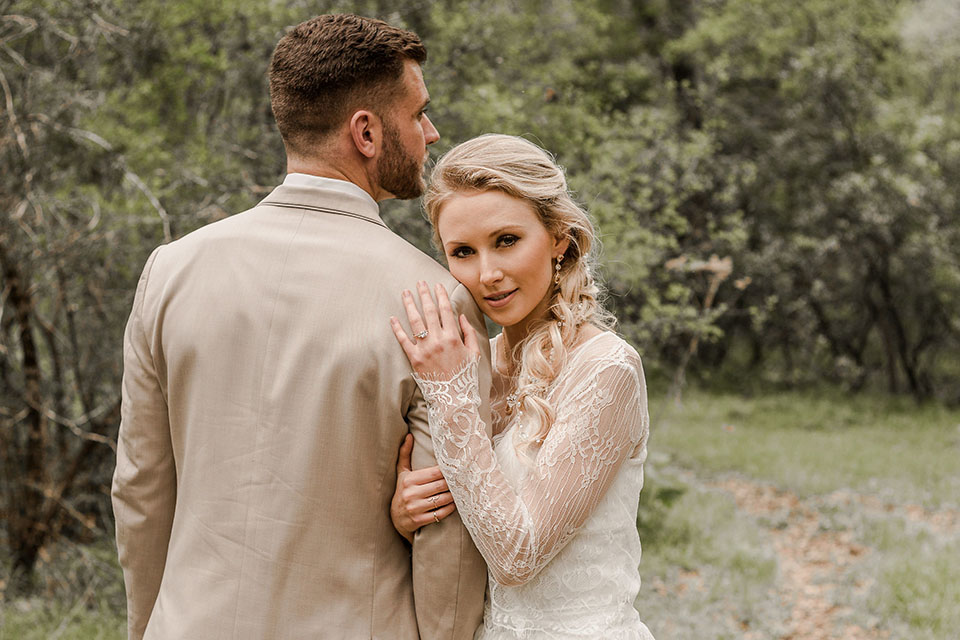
326, 68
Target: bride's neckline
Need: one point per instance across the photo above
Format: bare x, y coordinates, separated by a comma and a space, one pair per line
495, 351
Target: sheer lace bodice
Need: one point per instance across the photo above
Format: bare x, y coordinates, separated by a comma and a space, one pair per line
556, 524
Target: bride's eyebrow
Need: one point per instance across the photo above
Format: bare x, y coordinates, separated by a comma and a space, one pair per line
493, 234
506, 229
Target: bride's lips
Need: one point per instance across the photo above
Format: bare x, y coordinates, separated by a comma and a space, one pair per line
496, 302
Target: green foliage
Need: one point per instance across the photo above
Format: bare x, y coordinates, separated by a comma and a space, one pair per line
816, 144
605, 108
848, 214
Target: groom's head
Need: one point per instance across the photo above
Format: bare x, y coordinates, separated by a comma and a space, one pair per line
348, 80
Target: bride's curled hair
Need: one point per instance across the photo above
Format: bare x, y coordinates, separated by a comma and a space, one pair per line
521, 169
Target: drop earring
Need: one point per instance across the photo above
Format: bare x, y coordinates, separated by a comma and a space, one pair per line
556, 275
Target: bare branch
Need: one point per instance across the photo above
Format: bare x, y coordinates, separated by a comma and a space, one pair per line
95, 220
56, 495
19, 59
74, 426
3, 305
127, 173
86, 135
164, 216
28, 24
12, 116
14, 417
72, 39
108, 27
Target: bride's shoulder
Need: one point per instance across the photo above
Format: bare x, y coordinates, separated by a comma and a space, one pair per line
605, 345
602, 360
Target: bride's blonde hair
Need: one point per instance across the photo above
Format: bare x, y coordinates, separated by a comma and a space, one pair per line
521, 169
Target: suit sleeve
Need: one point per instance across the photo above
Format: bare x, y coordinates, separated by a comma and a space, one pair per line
449, 575
144, 483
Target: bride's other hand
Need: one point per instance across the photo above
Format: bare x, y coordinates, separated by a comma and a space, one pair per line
436, 346
421, 497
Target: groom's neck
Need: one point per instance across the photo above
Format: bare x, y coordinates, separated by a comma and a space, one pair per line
337, 171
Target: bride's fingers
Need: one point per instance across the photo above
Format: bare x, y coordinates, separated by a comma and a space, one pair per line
423, 490
403, 458
413, 314
436, 501
433, 517
447, 319
405, 343
422, 483
469, 335
425, 476
429, 308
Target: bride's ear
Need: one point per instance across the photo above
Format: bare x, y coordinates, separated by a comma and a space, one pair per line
560, 245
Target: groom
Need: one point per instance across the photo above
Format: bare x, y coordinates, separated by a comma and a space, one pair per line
264, 394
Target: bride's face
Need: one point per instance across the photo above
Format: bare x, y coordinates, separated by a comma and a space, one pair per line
499, 249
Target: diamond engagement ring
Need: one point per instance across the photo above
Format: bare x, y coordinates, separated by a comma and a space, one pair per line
433, 500
421, 335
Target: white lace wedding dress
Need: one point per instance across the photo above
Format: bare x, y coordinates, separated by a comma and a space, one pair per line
557, 525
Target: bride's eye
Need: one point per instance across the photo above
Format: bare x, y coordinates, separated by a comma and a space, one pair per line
461, 252
507, 240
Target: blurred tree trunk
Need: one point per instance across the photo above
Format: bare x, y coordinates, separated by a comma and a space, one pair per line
59, 403
25, 498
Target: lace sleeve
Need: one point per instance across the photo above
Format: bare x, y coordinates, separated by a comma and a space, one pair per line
599, 424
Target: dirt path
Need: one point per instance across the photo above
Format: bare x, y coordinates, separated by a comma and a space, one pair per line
813, 562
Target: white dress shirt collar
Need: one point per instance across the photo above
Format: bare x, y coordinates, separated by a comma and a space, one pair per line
307, 180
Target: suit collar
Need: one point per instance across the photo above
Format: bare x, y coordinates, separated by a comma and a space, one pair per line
324, 200
308, 180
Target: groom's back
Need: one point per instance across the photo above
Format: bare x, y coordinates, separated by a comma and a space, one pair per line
286, 396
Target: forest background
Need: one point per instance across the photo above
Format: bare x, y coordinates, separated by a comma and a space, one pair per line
776, 185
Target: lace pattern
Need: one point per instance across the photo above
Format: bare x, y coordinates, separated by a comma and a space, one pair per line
583, 482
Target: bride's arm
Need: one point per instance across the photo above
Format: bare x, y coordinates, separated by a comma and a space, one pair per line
597, 427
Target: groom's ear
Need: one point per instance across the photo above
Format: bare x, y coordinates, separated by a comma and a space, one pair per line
366, 132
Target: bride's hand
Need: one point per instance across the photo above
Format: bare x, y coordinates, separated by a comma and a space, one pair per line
437, 346
421, 497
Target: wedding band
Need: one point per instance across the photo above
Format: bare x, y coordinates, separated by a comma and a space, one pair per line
421, 335
435, 518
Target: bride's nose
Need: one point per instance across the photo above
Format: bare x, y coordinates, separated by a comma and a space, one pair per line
490, 272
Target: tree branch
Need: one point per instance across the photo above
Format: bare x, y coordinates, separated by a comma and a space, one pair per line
12, 116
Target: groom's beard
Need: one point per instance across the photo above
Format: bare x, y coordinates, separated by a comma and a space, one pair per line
398, 172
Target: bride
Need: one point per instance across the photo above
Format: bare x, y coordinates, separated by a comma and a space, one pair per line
551, 502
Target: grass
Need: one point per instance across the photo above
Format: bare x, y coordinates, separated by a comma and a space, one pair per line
918, 580
80, 596
892, 452
814, 444
710, 571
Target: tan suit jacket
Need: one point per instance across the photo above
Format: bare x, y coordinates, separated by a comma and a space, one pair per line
264, 401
